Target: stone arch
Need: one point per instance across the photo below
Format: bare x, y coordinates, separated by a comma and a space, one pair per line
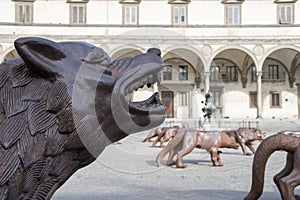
273, 49
189, 55
243, 64
191, 49
288, 56
125, 51
9, 53
224, 48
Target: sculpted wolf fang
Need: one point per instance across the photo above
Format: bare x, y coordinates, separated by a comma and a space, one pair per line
55, 119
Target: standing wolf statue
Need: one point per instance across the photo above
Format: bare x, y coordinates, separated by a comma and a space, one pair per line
61, 104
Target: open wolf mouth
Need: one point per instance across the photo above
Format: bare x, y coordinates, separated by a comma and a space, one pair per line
151, 105
147, 112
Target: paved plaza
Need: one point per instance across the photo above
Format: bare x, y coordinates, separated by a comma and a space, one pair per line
128, 172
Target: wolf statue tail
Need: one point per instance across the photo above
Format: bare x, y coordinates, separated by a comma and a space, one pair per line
170, 146
285, 140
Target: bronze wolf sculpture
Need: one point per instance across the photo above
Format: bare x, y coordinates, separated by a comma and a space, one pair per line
163, 134
245, 137
61, 104
289, 177
188, 139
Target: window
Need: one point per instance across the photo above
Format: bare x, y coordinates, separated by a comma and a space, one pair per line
216, 96
273, 72
253, 99
183, 98
77, 13
179, 14
253, 73
275, 99
232, 14
215, 73
24, 12
231, 73
285, 14
130, 16
167, 72
183, 72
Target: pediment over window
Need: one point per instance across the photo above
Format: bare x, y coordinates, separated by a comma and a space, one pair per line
23, 0
285, 1
77, 1
130, 1
233, 1
179, 1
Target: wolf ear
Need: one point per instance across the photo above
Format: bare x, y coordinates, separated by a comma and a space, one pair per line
40, 55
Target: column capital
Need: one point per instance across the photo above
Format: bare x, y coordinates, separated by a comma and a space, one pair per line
206, 73
259, 73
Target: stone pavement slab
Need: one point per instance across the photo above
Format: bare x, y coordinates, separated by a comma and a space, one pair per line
128, 171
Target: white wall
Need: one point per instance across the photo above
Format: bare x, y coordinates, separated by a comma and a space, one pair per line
206, 13
259, 12
7, 13
152, 12
54, 11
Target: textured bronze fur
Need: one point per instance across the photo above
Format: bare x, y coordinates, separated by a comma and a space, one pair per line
39, 143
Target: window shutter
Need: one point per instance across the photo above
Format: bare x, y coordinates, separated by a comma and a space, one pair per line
20, 14
182, 15
236, 15
229, 15
176, 15
27, 13
133, 15
80, 14
288, 14
74, 17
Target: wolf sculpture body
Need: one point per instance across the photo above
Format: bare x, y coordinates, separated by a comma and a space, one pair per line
163, 134
245, 137
188, 139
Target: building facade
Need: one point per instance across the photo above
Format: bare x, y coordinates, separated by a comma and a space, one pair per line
245, 52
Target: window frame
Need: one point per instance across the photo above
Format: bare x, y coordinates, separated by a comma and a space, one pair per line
17, 12
253, 73
215, 73
234, 22
275, 99
253, 99
84, 14
182, 10
183, 99
129, 21
216, 97
231, 73
285, 6
273, 70
183, 71
167, 72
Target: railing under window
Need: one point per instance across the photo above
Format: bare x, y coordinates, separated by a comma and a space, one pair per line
229, 78
278, 76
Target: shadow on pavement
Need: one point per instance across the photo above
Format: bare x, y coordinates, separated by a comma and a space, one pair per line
170, 195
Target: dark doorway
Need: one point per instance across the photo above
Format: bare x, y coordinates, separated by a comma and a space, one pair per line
168, 98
